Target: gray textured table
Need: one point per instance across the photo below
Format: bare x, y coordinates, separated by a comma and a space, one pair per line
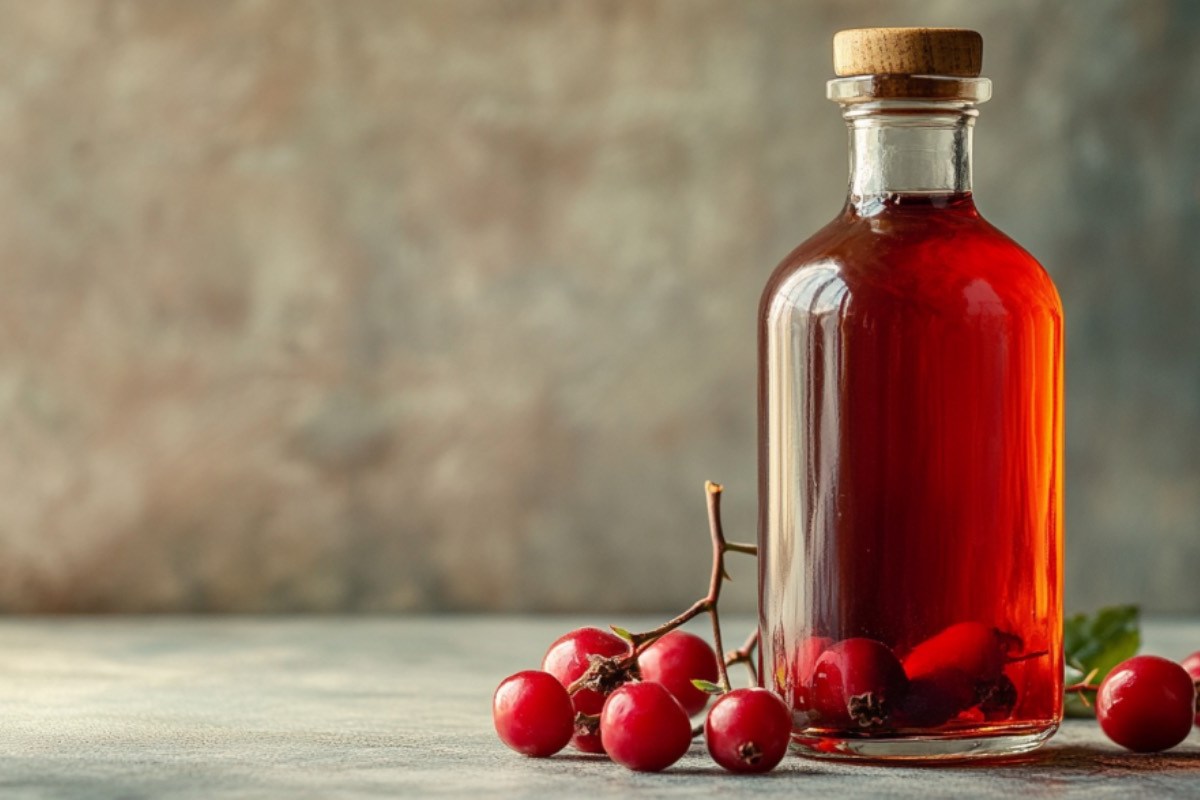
375, 707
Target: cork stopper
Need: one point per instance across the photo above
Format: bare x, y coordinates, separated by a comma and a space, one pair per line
947, 52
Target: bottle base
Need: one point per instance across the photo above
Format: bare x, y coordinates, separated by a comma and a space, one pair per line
931, 749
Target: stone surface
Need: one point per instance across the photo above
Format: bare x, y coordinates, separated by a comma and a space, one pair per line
377, 707
449, 305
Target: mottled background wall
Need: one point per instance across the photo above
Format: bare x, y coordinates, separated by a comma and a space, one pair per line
449, 304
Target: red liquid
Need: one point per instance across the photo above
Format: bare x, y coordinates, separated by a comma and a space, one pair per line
910, 409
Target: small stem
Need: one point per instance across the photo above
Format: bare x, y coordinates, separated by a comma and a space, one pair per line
1095, 687
1027, 656
722, 670
1081, 687
578, 683
639, 642
745, 655
713, 492
698, 730
643, 640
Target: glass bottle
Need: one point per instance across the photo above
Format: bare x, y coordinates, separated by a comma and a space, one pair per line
910, 435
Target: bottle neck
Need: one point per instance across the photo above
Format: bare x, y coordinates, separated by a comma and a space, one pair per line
899, 149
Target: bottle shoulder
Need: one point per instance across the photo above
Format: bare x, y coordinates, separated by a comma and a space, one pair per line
932, 260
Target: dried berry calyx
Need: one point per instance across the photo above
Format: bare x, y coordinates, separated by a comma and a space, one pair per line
605, 673
868, 710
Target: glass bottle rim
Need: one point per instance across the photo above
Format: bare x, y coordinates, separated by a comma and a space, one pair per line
916, 88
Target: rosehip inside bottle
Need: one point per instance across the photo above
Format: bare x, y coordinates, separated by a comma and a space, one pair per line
857, 683
934, 698
975, 650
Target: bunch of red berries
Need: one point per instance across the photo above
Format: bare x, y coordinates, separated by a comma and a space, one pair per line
596, 694
632, 695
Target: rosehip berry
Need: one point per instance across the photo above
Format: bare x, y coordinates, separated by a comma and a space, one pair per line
533, 714
978, 651
674, 661
1146, 704
794, 678
644, 728
748, 730
857, 683
1192, 665
936, 698
568, 658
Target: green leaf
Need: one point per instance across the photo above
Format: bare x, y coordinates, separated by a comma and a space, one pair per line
707, 686
624, 634
1094, 644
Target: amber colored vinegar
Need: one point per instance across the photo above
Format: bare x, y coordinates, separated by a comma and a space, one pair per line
916, 416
